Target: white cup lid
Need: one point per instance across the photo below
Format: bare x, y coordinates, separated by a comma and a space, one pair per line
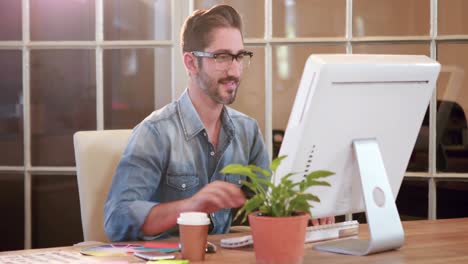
193, 218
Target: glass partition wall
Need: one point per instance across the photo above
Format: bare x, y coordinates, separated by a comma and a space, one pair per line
67, 66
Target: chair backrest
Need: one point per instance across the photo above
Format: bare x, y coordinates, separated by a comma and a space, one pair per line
97, 154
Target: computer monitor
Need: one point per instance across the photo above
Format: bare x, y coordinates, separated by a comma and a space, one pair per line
358, 116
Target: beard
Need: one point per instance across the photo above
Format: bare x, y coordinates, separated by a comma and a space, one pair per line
212, 87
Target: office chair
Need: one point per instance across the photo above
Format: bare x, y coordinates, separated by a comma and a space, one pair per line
97, 154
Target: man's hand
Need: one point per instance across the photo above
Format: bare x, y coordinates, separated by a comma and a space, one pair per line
323, 221
215, 196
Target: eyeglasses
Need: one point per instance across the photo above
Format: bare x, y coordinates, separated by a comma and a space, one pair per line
223, 60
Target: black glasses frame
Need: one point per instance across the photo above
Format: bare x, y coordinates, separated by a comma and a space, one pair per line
214, 55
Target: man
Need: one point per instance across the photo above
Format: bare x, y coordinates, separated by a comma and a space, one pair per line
172, 161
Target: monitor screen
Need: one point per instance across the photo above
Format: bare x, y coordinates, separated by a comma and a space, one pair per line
358, 116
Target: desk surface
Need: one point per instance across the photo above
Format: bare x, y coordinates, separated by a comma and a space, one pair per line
437, 241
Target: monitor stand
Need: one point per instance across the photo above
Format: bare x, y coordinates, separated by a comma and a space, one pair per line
385, 229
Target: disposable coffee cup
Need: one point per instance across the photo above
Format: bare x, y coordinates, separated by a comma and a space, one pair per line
193, 230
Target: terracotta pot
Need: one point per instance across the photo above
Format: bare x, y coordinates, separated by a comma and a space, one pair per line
278, 240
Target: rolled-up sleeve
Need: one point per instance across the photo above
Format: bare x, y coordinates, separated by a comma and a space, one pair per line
135, 182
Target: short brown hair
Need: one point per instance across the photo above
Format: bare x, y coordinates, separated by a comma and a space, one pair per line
196, 31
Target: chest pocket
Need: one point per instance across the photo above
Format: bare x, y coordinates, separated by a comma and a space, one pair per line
183, 182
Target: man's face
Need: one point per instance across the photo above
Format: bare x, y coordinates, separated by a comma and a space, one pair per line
221, 85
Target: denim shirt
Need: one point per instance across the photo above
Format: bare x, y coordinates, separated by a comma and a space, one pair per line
169, 157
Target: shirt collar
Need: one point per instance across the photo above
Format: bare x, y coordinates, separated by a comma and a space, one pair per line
191, 121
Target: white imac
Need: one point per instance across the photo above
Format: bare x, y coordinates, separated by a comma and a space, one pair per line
358, 116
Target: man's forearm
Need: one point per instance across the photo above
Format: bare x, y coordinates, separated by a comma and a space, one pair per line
211, 198
163, 216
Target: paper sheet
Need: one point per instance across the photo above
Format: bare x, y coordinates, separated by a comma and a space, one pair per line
46, 257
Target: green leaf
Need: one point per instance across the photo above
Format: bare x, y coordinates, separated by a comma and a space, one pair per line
303, 185
259, 170
314, 183
289, 175
276, 162
254, 187
266, 183
286, 182
299, 205
277, 209
238, 169
252, 204
240, 212
311, 197
319, 174
266, 210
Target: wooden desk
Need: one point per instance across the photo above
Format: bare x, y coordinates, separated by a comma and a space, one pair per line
438, 241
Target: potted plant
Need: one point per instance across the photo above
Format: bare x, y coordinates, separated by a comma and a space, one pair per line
278, 214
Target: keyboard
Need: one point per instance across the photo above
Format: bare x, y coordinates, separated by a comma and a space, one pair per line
313, 234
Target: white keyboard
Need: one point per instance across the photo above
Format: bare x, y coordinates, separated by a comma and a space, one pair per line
313, 234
